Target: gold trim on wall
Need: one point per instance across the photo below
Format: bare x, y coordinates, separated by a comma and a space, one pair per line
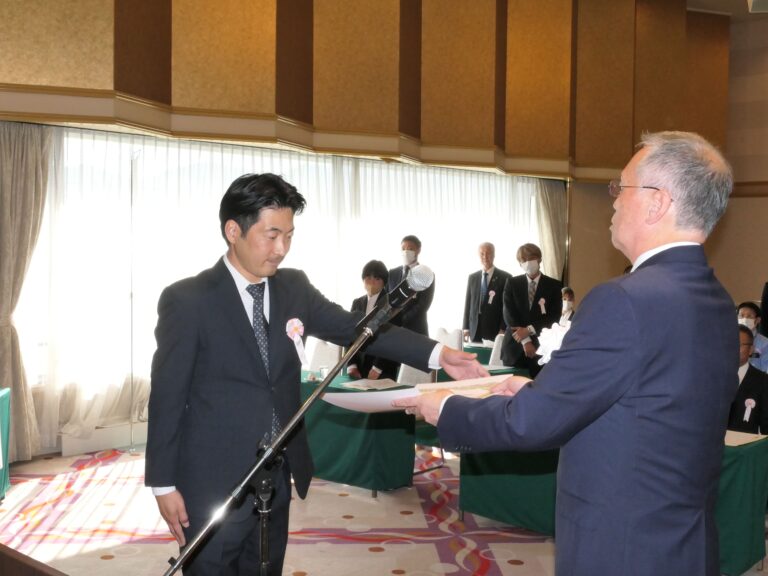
108, 109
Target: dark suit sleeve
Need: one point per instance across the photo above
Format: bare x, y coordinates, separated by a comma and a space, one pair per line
511, 313
594, 368
467, 304
172, 371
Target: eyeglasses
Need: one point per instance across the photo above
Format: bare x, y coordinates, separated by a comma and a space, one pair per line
615, 187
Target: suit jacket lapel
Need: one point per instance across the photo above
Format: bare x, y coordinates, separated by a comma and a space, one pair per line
231, 304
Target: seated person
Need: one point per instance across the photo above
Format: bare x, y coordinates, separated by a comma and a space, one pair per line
749, 316
363, 365
749, 410
569, 301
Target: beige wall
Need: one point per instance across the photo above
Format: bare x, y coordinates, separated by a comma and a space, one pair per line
559, 88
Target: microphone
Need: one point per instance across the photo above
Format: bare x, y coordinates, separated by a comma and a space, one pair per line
420, 278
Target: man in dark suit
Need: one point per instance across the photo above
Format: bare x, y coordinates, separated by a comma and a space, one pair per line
226, 373
637, 398
532, 302
414, 314
363, 364
749, 410
483, 306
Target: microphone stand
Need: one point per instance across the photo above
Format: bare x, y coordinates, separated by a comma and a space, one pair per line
370, 324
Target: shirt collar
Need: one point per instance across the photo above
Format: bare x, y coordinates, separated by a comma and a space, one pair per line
241, 281
653, 251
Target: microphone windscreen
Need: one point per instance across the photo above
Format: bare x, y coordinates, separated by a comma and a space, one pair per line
420, 278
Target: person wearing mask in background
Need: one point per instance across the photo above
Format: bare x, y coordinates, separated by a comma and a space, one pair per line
363, 364
414, 314
569, 301
638, 395
484, 303
749, 316
749, 410
532, 302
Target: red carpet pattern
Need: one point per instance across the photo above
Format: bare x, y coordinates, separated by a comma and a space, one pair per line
75, 514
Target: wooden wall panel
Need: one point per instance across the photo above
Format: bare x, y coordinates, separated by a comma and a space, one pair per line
143, 48
706, 95
224, 55
605, 83
356, 65
748, 101
458, 72
55, 43
539, 50
293, 93
410, 68
660, 56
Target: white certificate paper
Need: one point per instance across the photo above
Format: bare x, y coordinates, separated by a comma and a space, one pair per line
381, 401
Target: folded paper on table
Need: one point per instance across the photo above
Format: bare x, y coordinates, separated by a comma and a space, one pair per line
366, 384
381, 401
734, 438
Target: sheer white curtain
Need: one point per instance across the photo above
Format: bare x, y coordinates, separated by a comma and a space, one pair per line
128, 215
552, 219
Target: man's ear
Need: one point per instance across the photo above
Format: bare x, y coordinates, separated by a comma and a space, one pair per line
231, 231
658, 205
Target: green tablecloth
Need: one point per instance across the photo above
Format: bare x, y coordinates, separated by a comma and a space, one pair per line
5, 429
519, 489
373, 451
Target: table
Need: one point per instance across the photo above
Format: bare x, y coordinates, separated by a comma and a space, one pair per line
374, 451
5, 430
519, 489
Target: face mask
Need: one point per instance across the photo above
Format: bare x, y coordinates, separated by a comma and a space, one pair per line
530, 267
567, 305
409, 257
748, 322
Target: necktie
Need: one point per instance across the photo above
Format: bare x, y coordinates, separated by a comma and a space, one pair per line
406, 271
484, 287
531, 292
260, 330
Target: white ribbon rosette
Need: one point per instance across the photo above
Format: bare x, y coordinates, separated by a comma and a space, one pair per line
749, 404
294, 329
491, 294
550, 340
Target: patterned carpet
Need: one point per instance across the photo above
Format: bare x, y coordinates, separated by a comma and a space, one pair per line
92, 515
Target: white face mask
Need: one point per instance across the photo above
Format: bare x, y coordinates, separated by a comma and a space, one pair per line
409, 257
530, 267
567, 305
748, 322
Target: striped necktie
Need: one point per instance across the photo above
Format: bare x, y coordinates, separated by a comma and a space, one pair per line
262, 339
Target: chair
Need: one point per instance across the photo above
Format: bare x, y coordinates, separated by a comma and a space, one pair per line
410, 376
322, 354
495, 359
452, 338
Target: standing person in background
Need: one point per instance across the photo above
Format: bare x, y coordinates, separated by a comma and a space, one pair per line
637, 397
749, 316
414, 314
484, 303
749, 410
226, 373
363, 364
532, 302
569, 303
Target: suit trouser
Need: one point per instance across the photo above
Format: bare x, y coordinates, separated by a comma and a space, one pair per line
234, 547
